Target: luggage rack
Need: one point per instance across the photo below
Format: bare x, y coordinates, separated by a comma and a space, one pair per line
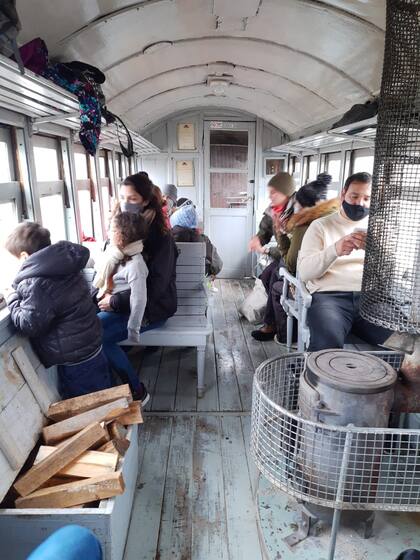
364, 469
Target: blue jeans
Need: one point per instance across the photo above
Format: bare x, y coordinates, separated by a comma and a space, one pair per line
114, 327
333, 315
69, 543
85, 377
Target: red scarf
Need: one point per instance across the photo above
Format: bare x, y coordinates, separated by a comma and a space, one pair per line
278, 209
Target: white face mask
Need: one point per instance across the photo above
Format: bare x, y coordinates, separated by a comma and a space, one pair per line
297, 208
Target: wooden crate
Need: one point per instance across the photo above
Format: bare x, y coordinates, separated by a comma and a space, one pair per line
21, 530
21, 422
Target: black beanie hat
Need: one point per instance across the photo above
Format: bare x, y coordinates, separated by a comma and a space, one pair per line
312, 192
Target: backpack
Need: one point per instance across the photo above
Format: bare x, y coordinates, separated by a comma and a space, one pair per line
358, 112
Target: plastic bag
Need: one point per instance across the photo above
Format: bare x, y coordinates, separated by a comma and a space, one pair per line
253, 306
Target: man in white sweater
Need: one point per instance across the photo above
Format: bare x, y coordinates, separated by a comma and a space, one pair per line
331, 264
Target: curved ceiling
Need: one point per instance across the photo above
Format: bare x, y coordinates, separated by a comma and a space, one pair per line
294, 63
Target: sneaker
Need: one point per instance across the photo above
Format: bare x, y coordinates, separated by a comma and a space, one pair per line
262, 336
141, 395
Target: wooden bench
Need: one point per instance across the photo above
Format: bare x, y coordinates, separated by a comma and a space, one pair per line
190, 326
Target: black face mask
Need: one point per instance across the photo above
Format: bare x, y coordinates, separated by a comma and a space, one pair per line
132, 207
355, 212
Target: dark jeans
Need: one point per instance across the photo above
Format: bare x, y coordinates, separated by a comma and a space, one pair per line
85, 377
114, 326
333, 315
268, 277
274, 316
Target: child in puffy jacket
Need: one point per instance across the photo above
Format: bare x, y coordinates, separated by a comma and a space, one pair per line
51, 304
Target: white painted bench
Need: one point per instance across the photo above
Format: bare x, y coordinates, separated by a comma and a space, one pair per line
190, 326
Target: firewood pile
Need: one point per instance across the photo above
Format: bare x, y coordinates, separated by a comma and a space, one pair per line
83, 444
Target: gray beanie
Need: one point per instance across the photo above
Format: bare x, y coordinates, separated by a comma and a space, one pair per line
283, 183
171, 192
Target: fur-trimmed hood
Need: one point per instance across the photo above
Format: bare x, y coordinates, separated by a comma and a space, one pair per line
307, 215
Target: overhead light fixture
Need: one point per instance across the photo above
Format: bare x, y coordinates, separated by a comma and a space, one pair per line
154, 47
219, 84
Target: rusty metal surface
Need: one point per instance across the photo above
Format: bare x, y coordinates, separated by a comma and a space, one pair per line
407, 390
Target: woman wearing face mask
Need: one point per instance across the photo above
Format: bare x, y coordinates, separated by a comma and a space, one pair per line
310, 205
160, 254
281, 191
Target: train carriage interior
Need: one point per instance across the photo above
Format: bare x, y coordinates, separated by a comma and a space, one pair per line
209, 286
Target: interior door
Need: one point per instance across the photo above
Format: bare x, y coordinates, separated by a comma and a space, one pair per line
229, 192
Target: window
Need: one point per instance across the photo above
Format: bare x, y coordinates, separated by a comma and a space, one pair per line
363, 160
333, 168
48, 169
312, 168
84, 191
11, 210
273, 166
106, 186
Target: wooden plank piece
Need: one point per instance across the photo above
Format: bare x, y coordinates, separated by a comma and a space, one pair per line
133, 415
61, 457
117, 430
71, 407
31, 377
66, 428
75, 493
89, 464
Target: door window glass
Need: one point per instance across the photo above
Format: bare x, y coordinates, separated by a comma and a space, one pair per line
229, 149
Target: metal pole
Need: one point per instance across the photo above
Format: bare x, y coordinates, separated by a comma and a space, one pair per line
334, 531
340, 492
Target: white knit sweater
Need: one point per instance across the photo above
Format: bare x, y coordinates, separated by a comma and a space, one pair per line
318, 264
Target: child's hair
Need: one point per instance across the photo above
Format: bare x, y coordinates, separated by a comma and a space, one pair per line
129, 227
28, 237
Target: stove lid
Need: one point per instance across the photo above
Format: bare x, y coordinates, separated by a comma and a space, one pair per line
350, 372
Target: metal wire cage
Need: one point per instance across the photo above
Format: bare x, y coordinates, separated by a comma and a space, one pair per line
391, 282
338, 467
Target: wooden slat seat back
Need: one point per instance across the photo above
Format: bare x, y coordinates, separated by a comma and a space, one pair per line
190, 325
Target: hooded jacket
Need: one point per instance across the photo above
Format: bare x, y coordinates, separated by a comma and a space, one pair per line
52, 305
297, 226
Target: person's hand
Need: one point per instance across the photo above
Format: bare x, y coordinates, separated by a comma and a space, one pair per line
133, 335
346, 245
359, 237
255, 245
104, 304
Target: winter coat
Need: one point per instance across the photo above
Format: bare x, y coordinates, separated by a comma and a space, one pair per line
52, 305
267, 230
214, 263
160, 254
297, 226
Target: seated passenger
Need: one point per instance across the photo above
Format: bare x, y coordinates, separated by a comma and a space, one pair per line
122, 268
158, 194
331, 264
310, 205
184, 229
160, 254
51, 304
281, 191
170, 194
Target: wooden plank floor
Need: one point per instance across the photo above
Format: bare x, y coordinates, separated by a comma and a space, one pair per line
194, 498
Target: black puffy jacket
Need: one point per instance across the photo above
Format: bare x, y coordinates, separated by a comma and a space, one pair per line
160, 253
52, 304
